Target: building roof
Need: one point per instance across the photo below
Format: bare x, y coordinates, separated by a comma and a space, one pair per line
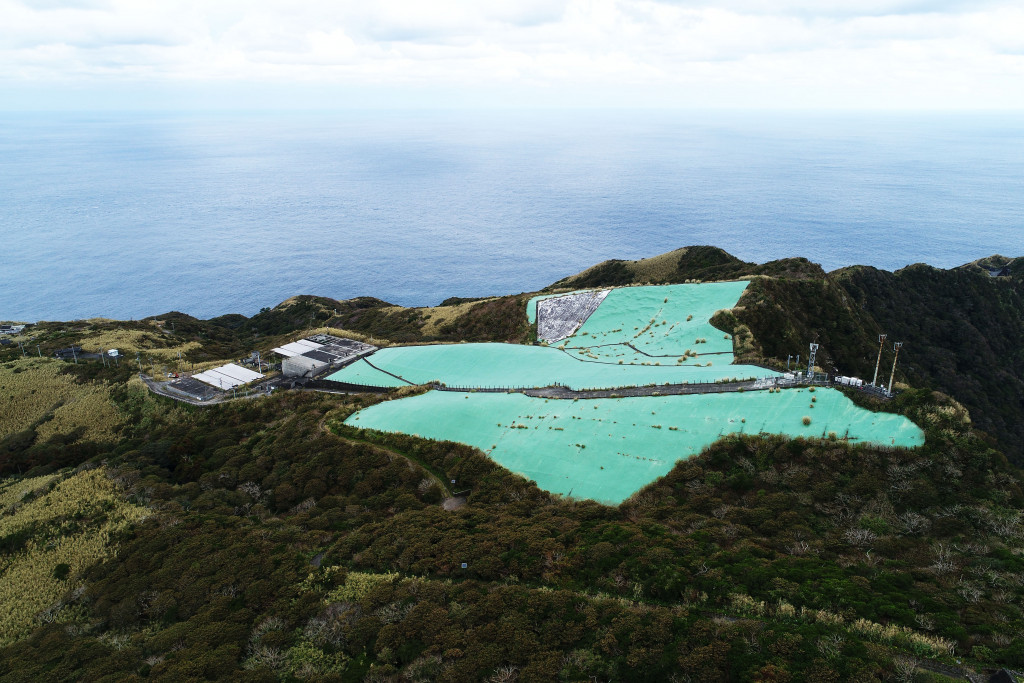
297, 348
227, 376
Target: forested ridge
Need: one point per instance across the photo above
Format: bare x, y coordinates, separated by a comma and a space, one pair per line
265, 540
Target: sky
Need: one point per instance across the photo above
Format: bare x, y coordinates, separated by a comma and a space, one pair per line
327, 54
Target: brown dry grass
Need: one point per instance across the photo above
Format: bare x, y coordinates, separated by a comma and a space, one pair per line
438, 316
76, 518
130, 342
32, 387
656, 268
650, 270
338, 332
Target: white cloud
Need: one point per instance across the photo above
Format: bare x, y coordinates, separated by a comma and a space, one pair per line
887, 53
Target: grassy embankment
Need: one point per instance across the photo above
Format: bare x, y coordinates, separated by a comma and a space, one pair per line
52, 528
38, 391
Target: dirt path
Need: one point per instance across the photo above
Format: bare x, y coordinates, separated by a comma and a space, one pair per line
431, 474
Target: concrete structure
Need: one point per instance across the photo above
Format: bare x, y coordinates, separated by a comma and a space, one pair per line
308, 364
316, 355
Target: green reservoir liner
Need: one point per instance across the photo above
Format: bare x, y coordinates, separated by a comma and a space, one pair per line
607, 449
637, 336
517, 366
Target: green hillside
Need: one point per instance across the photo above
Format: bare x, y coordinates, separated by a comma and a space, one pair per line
272, 539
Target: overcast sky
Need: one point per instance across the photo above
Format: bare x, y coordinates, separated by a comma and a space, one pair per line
875, 54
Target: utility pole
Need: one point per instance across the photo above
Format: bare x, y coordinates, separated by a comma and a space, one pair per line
895, 347
881, 341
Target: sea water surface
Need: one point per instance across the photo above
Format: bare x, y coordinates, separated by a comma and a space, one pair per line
133, 215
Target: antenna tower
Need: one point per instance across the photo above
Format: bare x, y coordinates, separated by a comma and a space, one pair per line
810, 361
895, 347
881, 341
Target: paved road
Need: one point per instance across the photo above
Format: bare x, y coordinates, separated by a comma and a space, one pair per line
261, 389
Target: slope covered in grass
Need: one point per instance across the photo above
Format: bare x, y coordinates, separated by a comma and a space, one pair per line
53, 528
37, 391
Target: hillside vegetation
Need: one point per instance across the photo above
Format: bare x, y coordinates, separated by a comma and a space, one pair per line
689, 264
278, 549
36, 394
266, 540
52, 528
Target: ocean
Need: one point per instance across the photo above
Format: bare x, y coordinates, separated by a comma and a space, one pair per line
130, 215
